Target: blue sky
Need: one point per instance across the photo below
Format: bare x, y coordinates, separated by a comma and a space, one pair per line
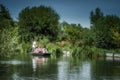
71, 11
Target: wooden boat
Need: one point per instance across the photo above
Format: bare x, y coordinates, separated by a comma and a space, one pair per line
41, 54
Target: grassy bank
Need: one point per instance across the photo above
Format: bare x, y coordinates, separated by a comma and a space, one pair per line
57, 48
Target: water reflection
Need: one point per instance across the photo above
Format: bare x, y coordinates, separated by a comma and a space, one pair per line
65, 68
112, 59
106, 69
12, 62
85, 72
38, 61
79, 70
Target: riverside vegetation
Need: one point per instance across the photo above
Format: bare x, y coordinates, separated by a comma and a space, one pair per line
42, 24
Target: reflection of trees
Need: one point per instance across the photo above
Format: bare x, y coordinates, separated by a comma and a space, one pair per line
25, 71
45, 68
9, 68
74, 69
5, 72
105, 69
61, 69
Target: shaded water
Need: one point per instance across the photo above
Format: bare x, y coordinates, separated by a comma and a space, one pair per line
64, 68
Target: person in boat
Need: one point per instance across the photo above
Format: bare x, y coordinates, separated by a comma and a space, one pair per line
34, 45
40, 50
44, 50
37, 50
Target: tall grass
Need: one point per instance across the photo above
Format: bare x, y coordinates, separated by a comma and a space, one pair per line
56, 49
88, 51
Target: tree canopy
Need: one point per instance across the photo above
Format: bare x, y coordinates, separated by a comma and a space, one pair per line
37, 22
5, 18
8, 32
42, 22
105, 28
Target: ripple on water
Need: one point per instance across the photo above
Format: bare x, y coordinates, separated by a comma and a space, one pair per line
13, 62
16, 76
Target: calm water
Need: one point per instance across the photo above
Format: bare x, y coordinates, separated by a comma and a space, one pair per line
64, 68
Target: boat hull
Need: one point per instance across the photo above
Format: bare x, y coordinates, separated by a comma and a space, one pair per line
41, 54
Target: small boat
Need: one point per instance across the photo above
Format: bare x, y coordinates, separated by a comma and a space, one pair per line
41, 54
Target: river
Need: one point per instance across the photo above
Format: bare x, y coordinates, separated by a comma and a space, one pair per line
63, 68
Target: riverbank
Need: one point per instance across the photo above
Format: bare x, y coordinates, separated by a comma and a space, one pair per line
65, 48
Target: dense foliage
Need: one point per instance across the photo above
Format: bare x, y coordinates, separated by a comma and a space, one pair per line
71, 32
106, 29
8, 32
5, 18
42, 24
38, 22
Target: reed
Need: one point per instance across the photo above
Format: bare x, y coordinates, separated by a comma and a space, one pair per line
87, 51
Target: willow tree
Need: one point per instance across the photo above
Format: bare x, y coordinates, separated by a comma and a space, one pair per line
36, 22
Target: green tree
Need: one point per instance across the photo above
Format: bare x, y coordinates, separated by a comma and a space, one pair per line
8, 32
88, 37
62, 33
38, 21
95, 16
105, 36
5, 18
95, 19
74, 33
9, 40
105, 29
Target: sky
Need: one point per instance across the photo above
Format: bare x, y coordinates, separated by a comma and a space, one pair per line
71, 11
